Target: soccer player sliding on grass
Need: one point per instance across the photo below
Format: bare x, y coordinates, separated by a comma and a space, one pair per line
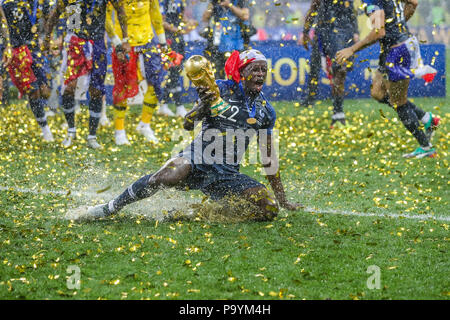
216, 172
399, 59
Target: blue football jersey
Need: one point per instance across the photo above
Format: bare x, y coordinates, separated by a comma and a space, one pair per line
233, 122
395, 23
20, 16
86, 18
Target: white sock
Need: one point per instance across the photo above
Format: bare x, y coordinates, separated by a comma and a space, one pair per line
91, 137
120, 132
111, 208
143, 124
46, 129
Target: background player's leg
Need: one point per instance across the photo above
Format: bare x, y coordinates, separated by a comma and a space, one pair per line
429, 121
314, 74
37, 104
40, 93
398, 93
150, 98
338, 91
173, 90
378, 91
154, 75
168, 95
174, 74
68, 96
148, 109
68, 107
96, 91
95, 112
120, 111
104, 121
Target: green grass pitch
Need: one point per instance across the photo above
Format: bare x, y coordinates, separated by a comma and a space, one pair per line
365, 206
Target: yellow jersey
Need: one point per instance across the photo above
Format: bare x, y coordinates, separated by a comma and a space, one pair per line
143, 16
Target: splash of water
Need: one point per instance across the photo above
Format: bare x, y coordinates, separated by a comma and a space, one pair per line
95, 187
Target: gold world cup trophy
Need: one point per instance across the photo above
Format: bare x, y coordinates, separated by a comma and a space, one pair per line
200, 72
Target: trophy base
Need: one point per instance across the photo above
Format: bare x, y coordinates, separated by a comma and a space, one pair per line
219, 108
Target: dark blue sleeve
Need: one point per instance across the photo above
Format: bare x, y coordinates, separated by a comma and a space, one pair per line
225, 85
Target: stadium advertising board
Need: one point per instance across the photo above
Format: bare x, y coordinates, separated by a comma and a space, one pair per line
289, 64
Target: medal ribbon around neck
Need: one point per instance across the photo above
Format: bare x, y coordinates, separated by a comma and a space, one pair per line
251, 119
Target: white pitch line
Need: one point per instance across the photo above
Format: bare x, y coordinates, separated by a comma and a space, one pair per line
380, 215
306, 209
44, 191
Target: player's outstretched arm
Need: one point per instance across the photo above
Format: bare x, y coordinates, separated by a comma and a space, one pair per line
269, 159
410, 8
157, 23
378, 31
309, 20
52, 21
6, 59
109, 26
121, 16
241, 13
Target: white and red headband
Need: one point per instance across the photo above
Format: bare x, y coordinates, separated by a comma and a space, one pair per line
237, 61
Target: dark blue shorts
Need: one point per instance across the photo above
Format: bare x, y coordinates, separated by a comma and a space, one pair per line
331, 42
398, 63
216, 181
100, 65
95, 50
151, 67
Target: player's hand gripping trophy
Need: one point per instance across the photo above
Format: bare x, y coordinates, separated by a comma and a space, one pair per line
200, 72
